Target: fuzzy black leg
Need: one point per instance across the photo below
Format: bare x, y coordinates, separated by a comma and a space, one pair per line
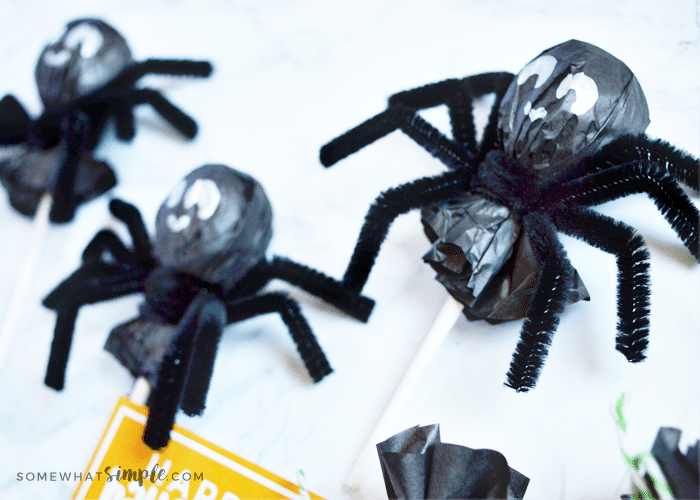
167, 394
432, 140
458, 96
396, 117
632, 257
60, 347
106, 241
427, 96
171, 113
14, 121
123, 112
93, 282
548, 302
321, 286
64, 201
212, 320
637, 177
387, 207
357, 138
97, 281
98, 122
678, 164
453, 93
490, 139
172, 67
309, 350
130, 215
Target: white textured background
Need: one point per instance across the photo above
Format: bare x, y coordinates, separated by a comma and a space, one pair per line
289, 76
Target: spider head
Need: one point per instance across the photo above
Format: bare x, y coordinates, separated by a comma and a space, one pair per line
568, 102
216, 224
88, 55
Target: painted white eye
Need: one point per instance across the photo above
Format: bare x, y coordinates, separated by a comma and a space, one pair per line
54, 59
534, 114
585, 89
542, 67
87, 37
205, 194
176, 194
177, 224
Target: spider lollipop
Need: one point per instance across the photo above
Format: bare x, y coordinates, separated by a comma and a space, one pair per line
84, 79
565, 134
206, 269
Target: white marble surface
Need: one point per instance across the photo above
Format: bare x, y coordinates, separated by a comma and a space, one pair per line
289, 76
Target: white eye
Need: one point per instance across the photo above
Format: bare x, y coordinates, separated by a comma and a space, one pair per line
54, 59
542, 67
205, 194
176, 194
534, 114
87, 37
177, 224
585, 89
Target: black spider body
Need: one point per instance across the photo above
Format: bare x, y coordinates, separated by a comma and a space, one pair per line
85, 78
206, 269
564, 135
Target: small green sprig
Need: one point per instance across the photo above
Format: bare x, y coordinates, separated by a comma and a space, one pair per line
639, 462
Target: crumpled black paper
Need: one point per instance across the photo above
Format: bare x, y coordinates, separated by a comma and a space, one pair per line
416, 465
680, 471
140, 346
484, 260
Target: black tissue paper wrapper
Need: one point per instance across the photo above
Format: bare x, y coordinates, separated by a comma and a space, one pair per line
416, 465
681, 471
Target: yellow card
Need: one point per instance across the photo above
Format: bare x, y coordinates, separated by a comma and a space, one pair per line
189, 468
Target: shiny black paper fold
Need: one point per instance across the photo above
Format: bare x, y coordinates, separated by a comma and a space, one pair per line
484, 259
681, 471
416, 465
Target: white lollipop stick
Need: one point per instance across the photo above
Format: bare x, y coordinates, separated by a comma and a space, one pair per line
39, 227
140, 391
426, 352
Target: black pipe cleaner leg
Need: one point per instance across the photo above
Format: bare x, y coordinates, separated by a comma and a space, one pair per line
357, 138
171, 113
309, 350
93, 282
211, 323
490, 140
64, 201
60, 348
678, 164
390, 205
172, 67
458, 96
130, 215
548, 302
123, 109
632, 257
632, 178
14, 121
453, 93
165, 398
321, 286
432, 140
396, 117
106, 241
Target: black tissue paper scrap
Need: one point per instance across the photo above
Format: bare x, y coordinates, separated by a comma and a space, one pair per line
416, 465
681, 471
